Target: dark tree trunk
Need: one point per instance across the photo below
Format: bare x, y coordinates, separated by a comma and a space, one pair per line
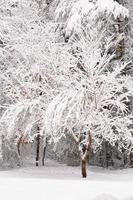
43, 157
37, 149
19, 144
83, 167
18, 147
85, 154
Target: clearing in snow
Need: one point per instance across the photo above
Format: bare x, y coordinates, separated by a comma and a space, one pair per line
57, 181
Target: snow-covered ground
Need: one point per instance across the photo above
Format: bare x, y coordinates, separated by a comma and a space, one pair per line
56, 181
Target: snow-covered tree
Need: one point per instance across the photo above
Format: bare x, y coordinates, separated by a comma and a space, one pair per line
57, 89
94, 91
95, 94
25, 72
71, 15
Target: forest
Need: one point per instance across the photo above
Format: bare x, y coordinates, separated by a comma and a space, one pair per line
66, 83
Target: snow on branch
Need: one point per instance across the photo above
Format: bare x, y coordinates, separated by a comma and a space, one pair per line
65, 88
98, 100
112, 7
73, 14
20, 119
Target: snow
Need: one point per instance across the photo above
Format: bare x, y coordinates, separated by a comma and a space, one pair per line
76, 12
111, 6
57, 181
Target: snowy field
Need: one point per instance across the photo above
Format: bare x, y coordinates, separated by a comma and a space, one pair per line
56, 181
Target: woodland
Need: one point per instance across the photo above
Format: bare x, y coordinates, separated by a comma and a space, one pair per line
66, 83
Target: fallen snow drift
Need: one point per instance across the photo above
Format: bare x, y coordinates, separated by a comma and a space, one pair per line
55, 181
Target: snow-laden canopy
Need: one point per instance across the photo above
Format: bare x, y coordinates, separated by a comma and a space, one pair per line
67, 111
72, 14
76, 83
21, 119
72, 111
96, 94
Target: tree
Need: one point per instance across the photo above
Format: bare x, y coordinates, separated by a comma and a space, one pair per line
64, 88
95, 92
78, 13
25, 70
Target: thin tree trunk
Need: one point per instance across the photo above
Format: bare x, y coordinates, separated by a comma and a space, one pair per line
44, 153
37, 149
18, 147
19, 144
131, 159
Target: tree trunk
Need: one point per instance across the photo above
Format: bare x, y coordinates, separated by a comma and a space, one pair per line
19, 144
18, 147
37, 149
83, 167
43, 157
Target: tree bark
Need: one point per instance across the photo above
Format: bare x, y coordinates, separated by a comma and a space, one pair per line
43, 157
37, 149
19, 144
18, 147
83, 167
85, 155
